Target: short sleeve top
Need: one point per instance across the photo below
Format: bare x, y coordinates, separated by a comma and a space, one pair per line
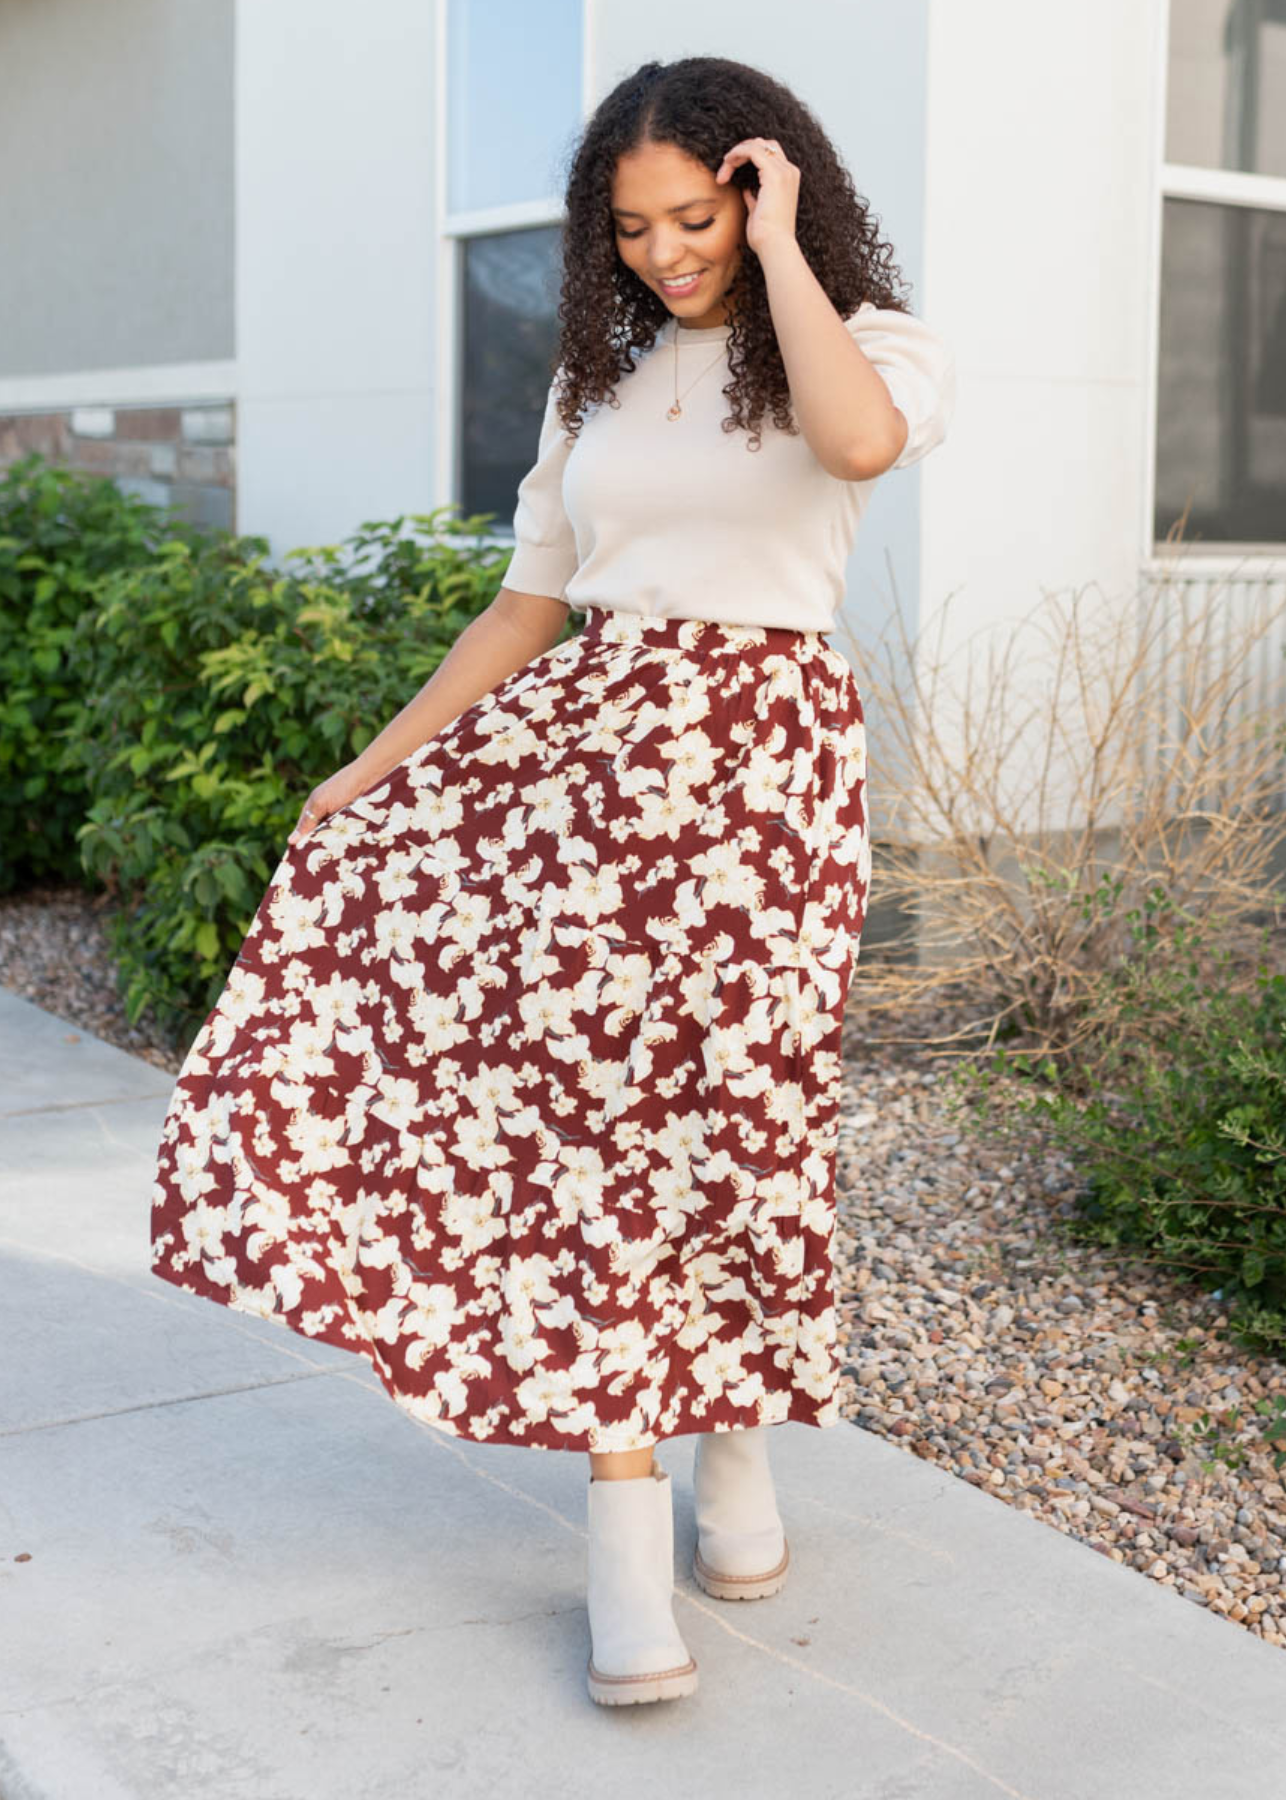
679, 518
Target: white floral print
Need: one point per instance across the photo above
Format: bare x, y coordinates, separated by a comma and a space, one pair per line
525, 1081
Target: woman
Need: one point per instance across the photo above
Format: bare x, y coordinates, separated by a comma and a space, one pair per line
525, 1082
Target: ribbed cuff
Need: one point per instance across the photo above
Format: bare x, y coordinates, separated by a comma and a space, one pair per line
539, 569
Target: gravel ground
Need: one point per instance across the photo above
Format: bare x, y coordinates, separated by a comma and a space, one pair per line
977, 1334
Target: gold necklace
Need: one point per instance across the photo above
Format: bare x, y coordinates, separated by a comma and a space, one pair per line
675, 411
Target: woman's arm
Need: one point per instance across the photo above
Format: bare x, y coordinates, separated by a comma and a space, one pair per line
844, 409
509, 633
513, 629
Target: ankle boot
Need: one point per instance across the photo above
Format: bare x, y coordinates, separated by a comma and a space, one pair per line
637, 1652
741, 1552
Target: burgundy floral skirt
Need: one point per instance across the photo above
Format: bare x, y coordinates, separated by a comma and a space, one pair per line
525, 1082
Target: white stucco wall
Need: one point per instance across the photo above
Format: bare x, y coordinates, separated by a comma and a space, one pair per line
115, 195
335, 310
1041, 196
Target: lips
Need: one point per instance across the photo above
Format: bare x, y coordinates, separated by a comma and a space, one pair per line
681, 287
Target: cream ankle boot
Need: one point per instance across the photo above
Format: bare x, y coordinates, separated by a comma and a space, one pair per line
637, 1652
741, 1553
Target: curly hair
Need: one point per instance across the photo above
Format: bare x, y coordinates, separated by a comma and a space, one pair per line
703, 105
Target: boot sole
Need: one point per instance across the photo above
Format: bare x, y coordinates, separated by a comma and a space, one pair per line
634, 1690
740, 1587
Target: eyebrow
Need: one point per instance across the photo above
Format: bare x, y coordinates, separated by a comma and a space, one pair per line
623, 212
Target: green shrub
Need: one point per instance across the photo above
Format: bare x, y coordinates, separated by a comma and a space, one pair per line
217, 691
1175, 1122
169, 698
61, 531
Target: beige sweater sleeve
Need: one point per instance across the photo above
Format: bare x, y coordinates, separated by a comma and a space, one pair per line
918, 368
545, 554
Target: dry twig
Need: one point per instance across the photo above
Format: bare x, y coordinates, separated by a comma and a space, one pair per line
1040, 780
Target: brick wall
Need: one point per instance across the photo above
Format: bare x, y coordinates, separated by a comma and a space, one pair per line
177, 456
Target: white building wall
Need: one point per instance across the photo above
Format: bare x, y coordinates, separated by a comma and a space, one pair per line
115, 194
336, 282
1041, 199
1042, 179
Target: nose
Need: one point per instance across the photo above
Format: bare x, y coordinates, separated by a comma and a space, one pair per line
676, 265
673, 263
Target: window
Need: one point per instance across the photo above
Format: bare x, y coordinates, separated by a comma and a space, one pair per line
1221, 369
508, 329
513, 107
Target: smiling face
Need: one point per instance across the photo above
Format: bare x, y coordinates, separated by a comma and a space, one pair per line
672, 218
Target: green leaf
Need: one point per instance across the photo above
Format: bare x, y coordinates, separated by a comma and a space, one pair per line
1253, 1266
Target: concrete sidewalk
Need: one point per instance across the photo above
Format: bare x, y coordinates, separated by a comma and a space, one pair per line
249, 1574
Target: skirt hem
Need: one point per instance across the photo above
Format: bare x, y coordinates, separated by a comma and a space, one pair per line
540, 1435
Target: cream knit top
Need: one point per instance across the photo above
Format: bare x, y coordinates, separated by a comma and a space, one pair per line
678, 518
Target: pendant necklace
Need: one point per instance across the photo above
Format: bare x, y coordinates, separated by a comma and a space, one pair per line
675, 411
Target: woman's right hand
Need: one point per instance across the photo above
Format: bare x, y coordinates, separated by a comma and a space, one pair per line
328, 797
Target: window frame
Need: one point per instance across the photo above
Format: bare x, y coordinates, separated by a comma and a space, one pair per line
1227, 187
454, 229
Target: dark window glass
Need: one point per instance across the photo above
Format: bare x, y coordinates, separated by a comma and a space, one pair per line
1221, 396
1226, 88
510, 312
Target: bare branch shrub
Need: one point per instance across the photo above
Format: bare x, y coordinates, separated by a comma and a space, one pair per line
1036, 786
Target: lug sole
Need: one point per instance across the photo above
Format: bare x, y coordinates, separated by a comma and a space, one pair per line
635, 1690
740, 1587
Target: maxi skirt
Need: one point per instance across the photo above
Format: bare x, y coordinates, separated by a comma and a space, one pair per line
525, 1082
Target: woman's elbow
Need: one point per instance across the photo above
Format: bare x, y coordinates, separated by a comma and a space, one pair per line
872, 458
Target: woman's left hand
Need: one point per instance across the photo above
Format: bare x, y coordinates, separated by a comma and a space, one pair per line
770, 212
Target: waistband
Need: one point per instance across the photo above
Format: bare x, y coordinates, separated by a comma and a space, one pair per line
613, 625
